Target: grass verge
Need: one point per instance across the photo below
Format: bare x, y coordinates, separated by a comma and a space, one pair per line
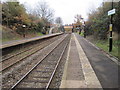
39, 34
105, 46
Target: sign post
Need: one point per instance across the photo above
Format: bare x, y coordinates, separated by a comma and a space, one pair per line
110, 13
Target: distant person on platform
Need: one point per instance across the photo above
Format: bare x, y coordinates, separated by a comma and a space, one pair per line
73, 29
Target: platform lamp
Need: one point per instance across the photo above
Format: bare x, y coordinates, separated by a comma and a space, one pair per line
24, 26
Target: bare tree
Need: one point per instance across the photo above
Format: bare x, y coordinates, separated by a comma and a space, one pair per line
44, 12
58, 20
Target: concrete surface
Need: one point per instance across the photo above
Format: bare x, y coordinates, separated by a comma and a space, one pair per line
105, 68
17, 42
78, 72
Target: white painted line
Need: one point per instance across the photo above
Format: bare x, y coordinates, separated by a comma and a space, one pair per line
89, 74
63, 82
112, 58
92, 44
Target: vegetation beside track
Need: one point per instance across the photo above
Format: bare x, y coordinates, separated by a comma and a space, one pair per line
104, 45
18, 22
9, 35
97, 27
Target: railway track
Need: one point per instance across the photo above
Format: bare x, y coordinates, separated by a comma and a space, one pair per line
24, 49
15, 58
42, 73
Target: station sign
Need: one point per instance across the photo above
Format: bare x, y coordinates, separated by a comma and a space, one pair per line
111, 12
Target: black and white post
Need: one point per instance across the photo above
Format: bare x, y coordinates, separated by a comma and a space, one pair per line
110, 13
111, 27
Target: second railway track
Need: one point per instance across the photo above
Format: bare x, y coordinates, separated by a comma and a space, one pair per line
15, 58
25, 48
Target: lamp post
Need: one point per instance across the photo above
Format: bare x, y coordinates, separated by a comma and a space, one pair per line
84, 30
24, 30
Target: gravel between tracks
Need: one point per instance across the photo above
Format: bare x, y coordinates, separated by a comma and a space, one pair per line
18, 71
44, 69
58, 75
10, 51
16, 58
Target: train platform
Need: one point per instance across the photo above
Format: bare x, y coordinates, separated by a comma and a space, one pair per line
87, 67
17, 42
78, 72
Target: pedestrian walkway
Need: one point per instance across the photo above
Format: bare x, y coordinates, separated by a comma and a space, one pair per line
78, 72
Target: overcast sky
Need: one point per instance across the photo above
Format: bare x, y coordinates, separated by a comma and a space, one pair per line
67, 9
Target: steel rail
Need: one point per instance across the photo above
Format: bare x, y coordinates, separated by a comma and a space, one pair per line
16, 84
20, 52
15, 54
24, 58
47, 87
